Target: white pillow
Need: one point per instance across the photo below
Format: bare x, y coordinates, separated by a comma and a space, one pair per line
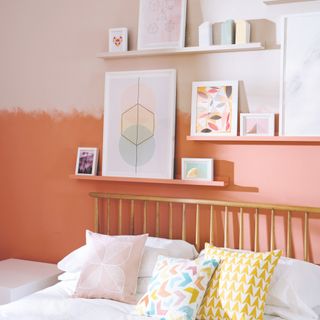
294, 289
154, 247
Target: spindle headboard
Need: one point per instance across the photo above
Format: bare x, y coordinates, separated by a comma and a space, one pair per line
105, 207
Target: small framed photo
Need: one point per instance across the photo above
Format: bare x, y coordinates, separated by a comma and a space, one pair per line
197, 169
162, 24
214, 108
118, 40
257, 124
87, 161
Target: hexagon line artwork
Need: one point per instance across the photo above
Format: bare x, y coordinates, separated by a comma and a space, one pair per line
137, 128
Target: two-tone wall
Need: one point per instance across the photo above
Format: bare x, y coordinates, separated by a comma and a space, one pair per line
51, 102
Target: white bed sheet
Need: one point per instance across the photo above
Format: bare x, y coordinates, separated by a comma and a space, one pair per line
56, 303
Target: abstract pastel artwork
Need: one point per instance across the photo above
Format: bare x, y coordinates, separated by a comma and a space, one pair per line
257, 124
300, 99
214, 108
139, 124
197, 169
162, 24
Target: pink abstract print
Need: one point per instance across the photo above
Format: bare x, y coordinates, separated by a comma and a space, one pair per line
161, 21
257, 126
214, 109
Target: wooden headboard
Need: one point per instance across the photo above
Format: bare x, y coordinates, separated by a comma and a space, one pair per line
131, 214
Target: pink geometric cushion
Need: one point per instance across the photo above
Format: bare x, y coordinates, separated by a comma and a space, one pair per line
111, 270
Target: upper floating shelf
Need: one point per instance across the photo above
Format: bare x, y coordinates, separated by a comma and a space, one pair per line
283, 1
221, 182
257, 139
187, 50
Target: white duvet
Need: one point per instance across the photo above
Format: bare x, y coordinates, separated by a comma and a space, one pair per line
56, 303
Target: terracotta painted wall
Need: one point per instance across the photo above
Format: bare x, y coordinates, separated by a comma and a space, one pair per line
51, 102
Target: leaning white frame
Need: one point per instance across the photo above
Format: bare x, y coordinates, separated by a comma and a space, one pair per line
207, 161
235, 99
174, 45
94, 162
171, 126
282, 67
269, 116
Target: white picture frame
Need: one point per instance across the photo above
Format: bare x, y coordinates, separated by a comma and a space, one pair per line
139, 124
118, 40
214, 108
198, 169
87, 161
162, 24
300, 75
257, 124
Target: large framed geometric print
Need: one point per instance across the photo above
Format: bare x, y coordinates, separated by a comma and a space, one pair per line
300, 98
139, 124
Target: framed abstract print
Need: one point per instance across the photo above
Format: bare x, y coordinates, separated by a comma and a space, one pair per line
199, 169
300, 99
139, 124
162, 24
257, 124
214, 108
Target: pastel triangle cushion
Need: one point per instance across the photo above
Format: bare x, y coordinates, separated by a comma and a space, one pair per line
177, 288
111, 268
238, 288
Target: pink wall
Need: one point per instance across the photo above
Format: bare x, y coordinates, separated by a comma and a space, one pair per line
52, 101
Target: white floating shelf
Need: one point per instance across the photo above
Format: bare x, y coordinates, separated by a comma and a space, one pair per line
187, 50
283, 1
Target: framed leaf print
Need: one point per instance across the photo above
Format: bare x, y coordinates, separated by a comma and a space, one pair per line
214, 108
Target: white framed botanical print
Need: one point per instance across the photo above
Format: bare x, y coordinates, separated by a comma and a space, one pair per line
257, 124
139, 124
214, 108
162, 24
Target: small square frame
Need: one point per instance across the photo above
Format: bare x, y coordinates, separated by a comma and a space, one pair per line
190, 169
87, 161
258, 116
118, 40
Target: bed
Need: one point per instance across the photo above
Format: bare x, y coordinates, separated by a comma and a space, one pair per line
223, 223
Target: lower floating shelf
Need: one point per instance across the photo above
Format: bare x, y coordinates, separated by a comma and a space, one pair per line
220, 182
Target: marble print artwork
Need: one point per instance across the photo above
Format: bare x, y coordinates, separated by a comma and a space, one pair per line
301, 76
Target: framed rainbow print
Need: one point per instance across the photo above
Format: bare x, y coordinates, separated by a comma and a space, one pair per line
162, 24
214, 108
139, 124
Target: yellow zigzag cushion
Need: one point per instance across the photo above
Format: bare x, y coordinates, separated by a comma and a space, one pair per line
238, 288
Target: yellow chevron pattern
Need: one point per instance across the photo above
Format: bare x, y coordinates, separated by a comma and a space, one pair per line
238, 288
